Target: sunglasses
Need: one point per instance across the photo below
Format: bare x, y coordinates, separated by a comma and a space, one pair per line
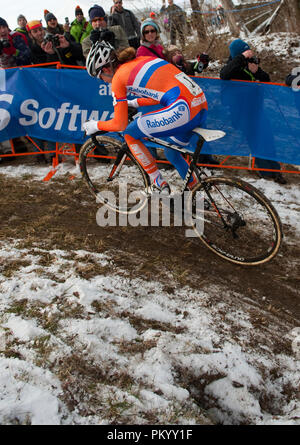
149, 30
118, 3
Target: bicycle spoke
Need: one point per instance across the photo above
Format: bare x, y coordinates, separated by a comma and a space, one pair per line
240, 224
116, 180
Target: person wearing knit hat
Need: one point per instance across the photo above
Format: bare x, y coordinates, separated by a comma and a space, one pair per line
14, 49
150, 45
53, 27
49, 16
237, 47
150, 22
244, 65
78, 11
80, 27
97, 11
3, 22
115, 35
33, 24
22, 22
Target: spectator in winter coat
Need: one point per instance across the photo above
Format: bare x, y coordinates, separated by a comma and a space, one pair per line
243, 65
114, 34
80, 27
176, 57
176, 22
127, 20
68, 53
22, 22
14, 49
52, 25
150, 45
37, 34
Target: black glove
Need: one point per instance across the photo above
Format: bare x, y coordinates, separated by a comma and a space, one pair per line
108, 36
4, 43
95, 35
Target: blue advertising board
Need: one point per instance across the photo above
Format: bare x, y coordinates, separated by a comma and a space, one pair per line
52, 104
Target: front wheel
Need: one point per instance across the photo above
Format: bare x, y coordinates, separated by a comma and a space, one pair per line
238, 222
113, 175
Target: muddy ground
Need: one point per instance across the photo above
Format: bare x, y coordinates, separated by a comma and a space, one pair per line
61, 214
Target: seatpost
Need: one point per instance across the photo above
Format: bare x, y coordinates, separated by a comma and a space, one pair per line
198, 149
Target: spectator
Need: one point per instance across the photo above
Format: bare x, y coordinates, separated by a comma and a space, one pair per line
57, 47
176, 22
37, 34
80, 27
175, 56
243, 65
22, 22
114, 34
150, 45
52, 25
127, 20
40, 55
14, 49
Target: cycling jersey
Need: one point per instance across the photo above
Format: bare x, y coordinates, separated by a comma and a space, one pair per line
154, 81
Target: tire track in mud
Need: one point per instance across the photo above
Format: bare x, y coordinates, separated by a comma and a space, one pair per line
61, 214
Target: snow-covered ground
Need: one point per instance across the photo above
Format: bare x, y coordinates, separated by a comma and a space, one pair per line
117, 349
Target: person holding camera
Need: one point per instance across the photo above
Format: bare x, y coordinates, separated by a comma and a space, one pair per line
47, 48
115, 34
53, 27
243, 64
14, 49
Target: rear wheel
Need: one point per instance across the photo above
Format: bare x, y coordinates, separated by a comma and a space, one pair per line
235, 220
113, 175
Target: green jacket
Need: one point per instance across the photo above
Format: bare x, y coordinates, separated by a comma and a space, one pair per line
80, 30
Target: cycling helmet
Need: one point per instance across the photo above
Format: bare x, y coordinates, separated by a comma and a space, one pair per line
98, 57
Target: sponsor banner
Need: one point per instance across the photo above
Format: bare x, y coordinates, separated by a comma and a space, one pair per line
259, 119
51, 104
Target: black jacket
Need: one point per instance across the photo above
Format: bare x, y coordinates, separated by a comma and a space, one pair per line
67, 56
237, 69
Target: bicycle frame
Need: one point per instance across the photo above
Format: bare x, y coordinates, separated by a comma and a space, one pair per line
160, 142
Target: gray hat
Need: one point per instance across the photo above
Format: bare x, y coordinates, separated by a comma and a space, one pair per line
49, 16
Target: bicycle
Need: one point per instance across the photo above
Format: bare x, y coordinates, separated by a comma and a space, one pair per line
240, 223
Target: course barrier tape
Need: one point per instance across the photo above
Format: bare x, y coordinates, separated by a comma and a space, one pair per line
232, 11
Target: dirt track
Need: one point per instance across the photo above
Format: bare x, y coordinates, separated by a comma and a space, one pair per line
61, 214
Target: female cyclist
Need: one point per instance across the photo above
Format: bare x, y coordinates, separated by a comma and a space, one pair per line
154, 82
